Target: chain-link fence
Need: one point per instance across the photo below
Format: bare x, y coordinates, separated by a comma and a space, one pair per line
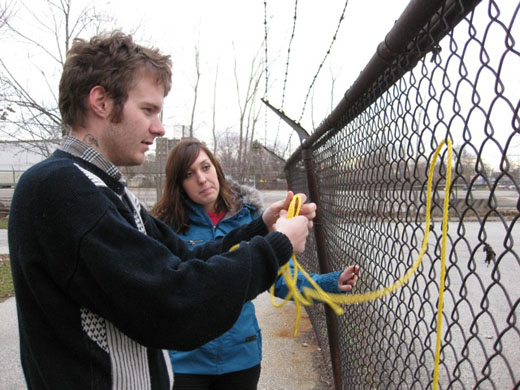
447, 70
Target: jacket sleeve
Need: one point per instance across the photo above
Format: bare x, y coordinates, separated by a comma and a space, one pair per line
165, 235
153, 288
328, 282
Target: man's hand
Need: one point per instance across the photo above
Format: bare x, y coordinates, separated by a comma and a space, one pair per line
272, 213
348, 278
296, 229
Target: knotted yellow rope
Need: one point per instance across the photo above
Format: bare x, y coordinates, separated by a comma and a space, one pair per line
333, 300
292, 279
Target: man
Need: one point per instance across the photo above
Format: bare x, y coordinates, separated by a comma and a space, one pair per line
101, 286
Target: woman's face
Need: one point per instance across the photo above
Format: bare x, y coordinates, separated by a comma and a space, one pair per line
201, 182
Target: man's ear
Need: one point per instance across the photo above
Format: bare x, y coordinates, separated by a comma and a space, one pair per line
99, 101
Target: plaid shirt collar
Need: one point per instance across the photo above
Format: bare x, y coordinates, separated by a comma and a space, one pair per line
80, 149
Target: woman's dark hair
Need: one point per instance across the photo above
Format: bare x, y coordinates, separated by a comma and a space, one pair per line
170, 208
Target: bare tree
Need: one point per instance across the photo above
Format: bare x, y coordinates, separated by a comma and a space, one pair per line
6, 13
227, 153
333, 78
213, 116
465, 162
35, 121
249, 111
195, 87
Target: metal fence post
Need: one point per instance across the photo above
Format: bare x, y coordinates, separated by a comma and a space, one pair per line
332, 328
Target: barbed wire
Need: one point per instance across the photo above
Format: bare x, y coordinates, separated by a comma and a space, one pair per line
324, 58
286, 76
342, 17
266, 71
287, 63
265, 51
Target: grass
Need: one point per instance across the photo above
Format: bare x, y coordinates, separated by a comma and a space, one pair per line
6, 280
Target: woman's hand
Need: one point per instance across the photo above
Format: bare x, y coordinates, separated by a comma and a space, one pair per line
348, 278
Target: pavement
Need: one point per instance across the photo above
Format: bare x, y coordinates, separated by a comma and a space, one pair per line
289, 363
10, 369
4, 248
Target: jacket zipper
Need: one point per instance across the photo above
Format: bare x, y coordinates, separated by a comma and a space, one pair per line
193, 242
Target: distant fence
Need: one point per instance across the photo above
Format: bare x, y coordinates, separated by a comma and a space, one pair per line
8, 180
147, 187
9, 177
446, 70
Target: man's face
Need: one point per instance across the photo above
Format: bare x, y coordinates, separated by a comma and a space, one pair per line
125, 143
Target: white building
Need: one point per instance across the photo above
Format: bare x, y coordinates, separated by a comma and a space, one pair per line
14, 160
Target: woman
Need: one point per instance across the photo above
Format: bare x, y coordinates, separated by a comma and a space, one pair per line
201, 205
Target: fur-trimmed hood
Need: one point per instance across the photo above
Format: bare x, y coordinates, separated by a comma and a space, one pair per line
246, 194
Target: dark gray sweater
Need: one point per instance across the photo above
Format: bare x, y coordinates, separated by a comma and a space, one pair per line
98, 300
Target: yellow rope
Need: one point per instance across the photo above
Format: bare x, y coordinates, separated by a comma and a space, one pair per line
333, 300
443, 265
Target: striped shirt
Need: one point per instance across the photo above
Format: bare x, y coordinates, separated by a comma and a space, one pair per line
80, 149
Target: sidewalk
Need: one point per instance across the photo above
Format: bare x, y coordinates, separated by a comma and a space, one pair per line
289, 363
10, 369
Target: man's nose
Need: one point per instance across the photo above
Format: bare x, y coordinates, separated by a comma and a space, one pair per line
157, 128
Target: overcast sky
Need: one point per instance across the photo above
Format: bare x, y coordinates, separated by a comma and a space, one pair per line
230, 30
234, 29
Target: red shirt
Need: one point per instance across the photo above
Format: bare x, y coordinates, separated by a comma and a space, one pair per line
216, 217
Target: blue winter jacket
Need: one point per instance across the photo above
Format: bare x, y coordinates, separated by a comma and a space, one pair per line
240, 347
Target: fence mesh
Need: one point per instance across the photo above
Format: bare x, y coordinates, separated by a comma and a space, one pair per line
372, 171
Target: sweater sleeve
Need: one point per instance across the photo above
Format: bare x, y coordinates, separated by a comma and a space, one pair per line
151, 287
328, 282
163, 233
158, 297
